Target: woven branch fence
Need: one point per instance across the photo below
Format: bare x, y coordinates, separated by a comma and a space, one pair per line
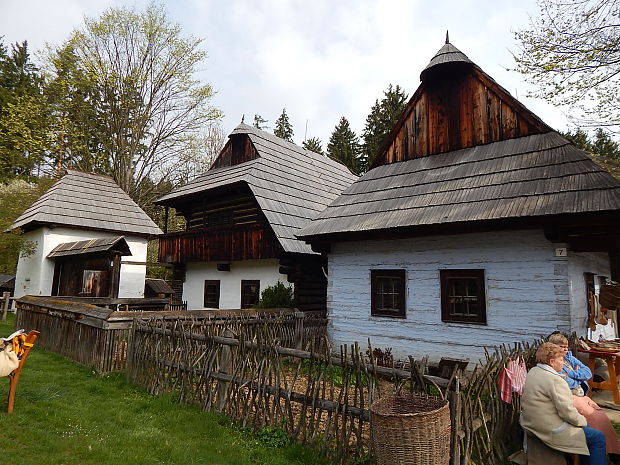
319, 398
97, 337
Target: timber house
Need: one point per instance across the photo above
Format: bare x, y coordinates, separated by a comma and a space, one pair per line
241, 219
84, 228
477, 225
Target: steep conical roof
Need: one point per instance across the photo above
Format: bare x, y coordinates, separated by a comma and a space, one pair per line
447, 55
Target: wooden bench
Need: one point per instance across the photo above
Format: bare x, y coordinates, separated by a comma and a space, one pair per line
31, 337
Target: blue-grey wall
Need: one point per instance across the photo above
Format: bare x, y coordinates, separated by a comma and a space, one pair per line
528, 291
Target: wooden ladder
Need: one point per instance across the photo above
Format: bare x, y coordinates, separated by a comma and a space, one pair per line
31, 337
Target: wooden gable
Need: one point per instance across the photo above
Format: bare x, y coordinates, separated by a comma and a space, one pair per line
456, 106
237, 150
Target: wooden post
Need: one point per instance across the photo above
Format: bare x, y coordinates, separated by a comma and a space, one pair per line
225, 368
5, 304
299, 329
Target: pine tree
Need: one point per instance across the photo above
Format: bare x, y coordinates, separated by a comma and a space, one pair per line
259, 121
314, 144
344, 146
605, 146
383, 116
284, 129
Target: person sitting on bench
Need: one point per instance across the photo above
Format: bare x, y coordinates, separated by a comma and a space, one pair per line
549, 414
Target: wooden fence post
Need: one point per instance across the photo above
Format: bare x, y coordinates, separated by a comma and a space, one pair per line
454, 397
226, 367
299, 329
5, 304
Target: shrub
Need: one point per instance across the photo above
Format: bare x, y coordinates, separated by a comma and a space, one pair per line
276, 296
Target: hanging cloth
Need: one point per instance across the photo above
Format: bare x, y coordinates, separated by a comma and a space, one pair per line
518, 374
504, 383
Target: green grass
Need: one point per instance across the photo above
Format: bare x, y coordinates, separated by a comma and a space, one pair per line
65, 414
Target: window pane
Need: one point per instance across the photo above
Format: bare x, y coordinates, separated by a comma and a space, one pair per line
463, 295
387, 289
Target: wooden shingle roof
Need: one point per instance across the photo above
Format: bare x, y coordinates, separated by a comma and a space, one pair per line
87, 201
531, 176
91, 246
292, 185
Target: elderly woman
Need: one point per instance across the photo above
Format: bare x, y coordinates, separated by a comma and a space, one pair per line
549, 414
576, 375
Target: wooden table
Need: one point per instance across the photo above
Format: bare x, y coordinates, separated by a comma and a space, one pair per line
613, 365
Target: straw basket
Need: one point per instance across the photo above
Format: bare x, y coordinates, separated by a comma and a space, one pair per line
411, 430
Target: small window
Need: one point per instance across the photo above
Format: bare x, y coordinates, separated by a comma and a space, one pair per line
387, 289
250, 293
212, 293
462, 296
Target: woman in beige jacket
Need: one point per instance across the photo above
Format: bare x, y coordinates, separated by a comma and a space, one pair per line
549, 414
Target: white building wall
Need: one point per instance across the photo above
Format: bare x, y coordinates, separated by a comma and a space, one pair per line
230, 281
527, 292
35, 273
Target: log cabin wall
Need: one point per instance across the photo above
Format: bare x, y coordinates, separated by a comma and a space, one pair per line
309, 281
456, 107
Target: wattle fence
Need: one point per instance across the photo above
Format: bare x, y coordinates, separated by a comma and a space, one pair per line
277, 369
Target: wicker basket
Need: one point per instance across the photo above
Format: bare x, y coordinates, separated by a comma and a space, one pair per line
609, 296
411, 429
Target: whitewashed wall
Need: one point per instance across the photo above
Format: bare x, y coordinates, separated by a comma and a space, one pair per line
230, 281
527, 291
35, 273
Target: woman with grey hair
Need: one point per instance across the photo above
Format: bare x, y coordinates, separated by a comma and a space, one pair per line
549, 414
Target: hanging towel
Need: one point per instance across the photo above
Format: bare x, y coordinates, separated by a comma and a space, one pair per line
518, 373
505, 385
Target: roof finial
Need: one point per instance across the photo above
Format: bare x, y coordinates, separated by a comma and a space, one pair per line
447, 38
243, 117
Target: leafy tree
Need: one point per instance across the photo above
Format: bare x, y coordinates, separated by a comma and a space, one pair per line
284, 129
259, 122
571, 52
383, 116
24, 122
313, 144
344, 146
15, 196
126, 100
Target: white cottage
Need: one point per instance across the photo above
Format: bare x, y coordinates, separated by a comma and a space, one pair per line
477, 225
241, 219
83, 228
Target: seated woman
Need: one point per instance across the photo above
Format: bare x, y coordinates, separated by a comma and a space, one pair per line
549, 414
577, 375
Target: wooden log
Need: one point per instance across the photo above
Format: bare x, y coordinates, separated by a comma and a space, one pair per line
5, 304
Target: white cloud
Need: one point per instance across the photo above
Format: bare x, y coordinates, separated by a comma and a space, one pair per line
320, 59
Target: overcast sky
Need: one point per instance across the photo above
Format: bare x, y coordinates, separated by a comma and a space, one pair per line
321, 59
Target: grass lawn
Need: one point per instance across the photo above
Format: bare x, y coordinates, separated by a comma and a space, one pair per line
65, 414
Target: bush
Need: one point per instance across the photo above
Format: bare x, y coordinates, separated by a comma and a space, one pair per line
276, 296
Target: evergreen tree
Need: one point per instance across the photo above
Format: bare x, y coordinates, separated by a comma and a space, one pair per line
580, 140
314, 144
383, 116
344, 146
259, 122
605, 146
283, 129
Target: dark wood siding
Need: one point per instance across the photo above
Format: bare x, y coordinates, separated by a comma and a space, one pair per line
237, 150
457, 111
236, 209
229, 243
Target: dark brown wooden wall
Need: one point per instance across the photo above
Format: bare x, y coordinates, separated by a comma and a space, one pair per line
225, 243
240, 208
306, 273
455, 111
237, 150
